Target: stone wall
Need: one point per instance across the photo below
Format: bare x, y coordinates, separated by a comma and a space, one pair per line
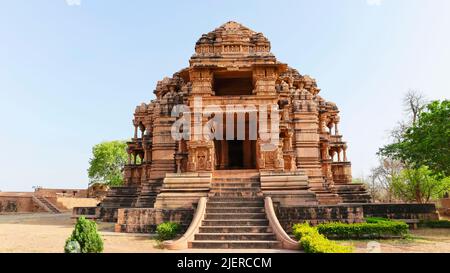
49, 193
288, 216
353, 213
104, 214
12, 202
68, 203
402, 211
444, 208
145, 220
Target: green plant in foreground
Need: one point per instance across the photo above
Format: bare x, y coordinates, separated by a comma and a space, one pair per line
435, 224
72, 247
375, 228
86, 235
313, 242
167, 230
374, 220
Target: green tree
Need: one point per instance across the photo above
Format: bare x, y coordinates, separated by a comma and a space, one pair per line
107, 163
419, 185
427, 141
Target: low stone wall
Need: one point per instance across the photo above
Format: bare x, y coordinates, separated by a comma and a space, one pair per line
145, 220
16, 202
103, 214
353, 213
444, 209
68, 203
288, 216
78, 193
402, 211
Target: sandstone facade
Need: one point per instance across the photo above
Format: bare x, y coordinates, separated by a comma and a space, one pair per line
233, 65
283, 150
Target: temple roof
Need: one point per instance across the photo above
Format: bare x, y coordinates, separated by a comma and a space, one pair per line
232, 38
231, 30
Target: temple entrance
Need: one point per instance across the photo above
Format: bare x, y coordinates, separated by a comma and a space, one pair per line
235, 154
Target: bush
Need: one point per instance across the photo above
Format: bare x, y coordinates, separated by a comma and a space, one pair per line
375, 228
313, 242
435, 224
167, 230
374, 220
86, 235
72, 247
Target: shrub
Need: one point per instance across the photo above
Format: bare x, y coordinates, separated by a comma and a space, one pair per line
435, 224
86, 235
374, 220
72, 247
167, 230
313, 242
373, 229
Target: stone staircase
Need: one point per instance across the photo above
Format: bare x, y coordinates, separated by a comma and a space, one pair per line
46, 204
352, 193
235, 215
147, 196
120, 197
107, 210
327, 197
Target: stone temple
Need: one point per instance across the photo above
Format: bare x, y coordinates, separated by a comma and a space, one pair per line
278, 158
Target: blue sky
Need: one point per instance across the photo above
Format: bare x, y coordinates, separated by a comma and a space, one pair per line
71, 76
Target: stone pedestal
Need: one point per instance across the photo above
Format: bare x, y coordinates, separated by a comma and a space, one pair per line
287, 188
181, 191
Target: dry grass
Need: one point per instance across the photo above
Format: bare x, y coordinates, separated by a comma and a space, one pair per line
421, 241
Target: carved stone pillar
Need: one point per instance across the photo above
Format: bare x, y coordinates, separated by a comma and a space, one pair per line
135, 131
201, 82
345, 153
264, 79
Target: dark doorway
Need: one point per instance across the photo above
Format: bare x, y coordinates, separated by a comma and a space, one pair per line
233, 83
235, 154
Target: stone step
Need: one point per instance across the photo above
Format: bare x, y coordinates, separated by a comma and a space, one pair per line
235, 236
48, 204
183, 184
235, 185
118, 200
235, 229
235, 194
236, 244
236, 199
235, 173
235, 189
116, 205
235, 210
235, 180
213, 216
234, 204
122, 191
236, 222
185, 189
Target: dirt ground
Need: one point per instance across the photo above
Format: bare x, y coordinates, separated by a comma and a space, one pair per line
43, 232
47, 233
424, 240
